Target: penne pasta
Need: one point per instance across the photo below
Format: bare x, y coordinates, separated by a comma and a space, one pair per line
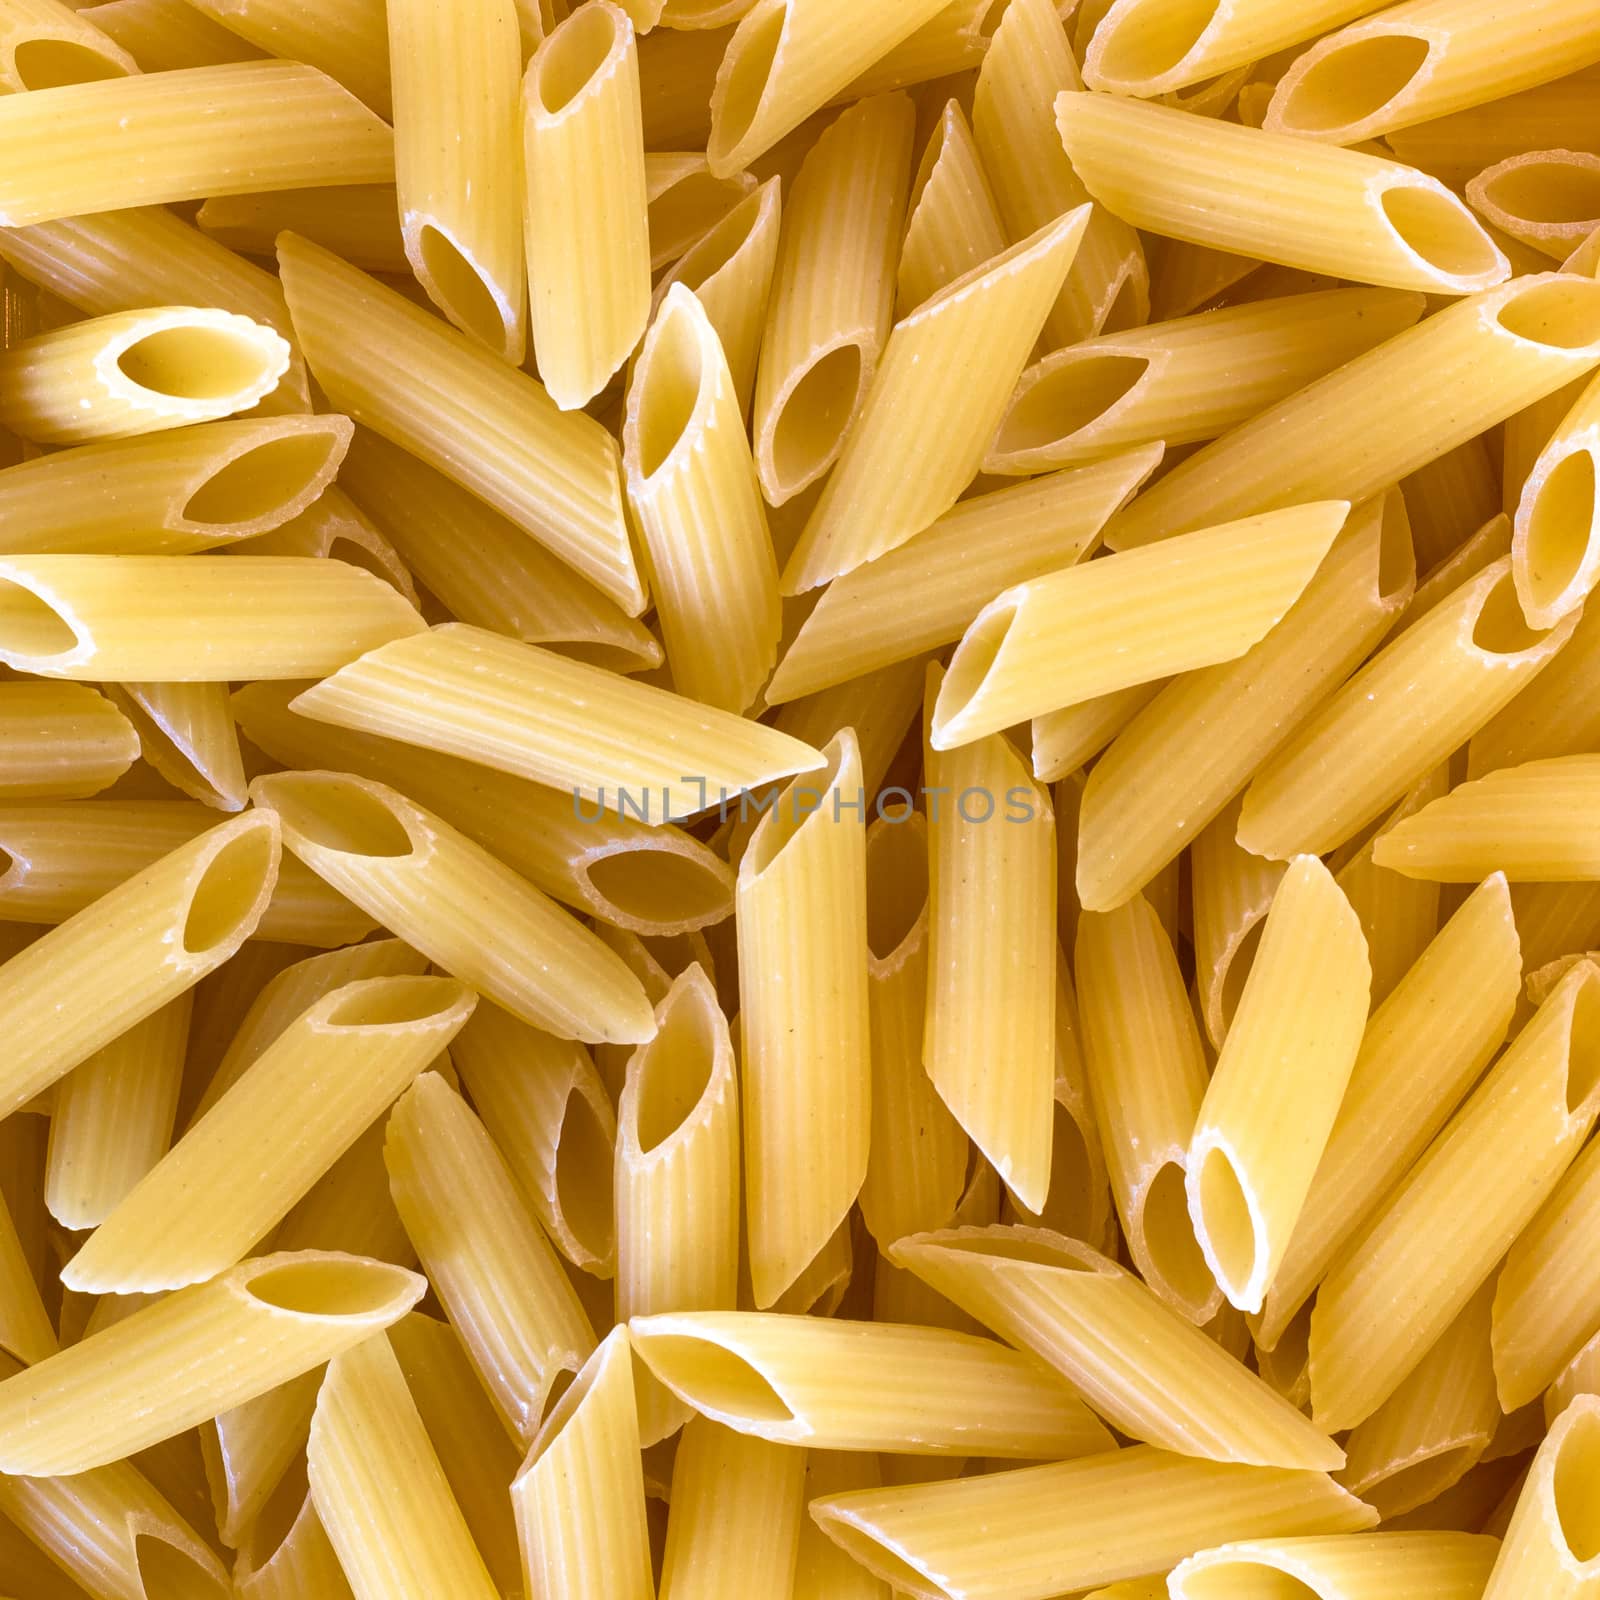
357, 222
1549, 199
1279, 1079
1046, 643
25, 1329
275, 1562
167, 35
44, 45
822, 1571
346, 40
585, 203
61, 741
186, 733
482, 423
250, 1453
1466, 561
686, 201
435, 887
1403, 1566
801, 912
1065, 740
1555, 551
913, 447
239, 1335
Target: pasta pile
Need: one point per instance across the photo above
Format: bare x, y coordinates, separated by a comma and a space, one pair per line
799, 800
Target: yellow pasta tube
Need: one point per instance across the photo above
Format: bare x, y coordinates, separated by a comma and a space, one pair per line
788, 58
588, 238
146, 942
447, 400
832, 296
1555, 551
165, 35
931, 408
174, 492
348, 1056
1394, 1566
456, 74
953, 39
917, 1152
1233, 892
358, 222
379, 1490
1426, 59
249, 1451
953, 224
686, 201
801, 910
1145, 1368
252, 1328
437, 889
345, 39
604, 739
61, 741
138, 372
1147, 1075
286, 125
1042, 1531
1163, 381
25, 1328
692, 486
1549, 199
1545, 1304
1491, 541
44, 44
165, 619
1423, 1049
1065, 637
1357, 431
1400, 1284
186, 733
1435, 1427
1551, 1548
546, 1107
491, 1265
297, 1562
1582, 1376
579, 1497
990, 1025
113, 1117
738, 1510
925, 593
1279, 1079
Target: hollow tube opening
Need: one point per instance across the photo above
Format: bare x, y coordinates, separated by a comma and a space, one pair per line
265, 480
1562, 311
1230, 1227
1575, 1487
585, 1155
719, 1380
897, 883
716, 248
974, 658
195, 362
1032, 1247
229, 890
573, 54
392, 1002
55, 63
1553, 193
1067, 399
1237, 971
559, 1410
812, 419
677, 1066
788, 816
339, 814
1150, 40
1440, 231
1583, 1057
1069, 1204
1421, 1481
346, 1286
31, 626
1501, 629
670, 379
459, 287
1353, 82
748, 67
1169, 1239
1561, 529
652, 885
172, 1573
1244, 1576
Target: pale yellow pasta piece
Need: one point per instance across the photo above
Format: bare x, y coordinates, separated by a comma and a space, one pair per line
686, 201
345, 39
144, 943
1427, 59
1147, 1074
45, 44
1106, 625
603, 739
925, 593
434, 886
1466, 561
186, 733
1218, 725
832, 295
1064, 740
1549, 199
927, 417
1276, 198
252, 1328
579, 1497
1233, 892
449, 401
1555, 552
1165, 382
802, 923
1423, 1049
694, 493
380, 1491
1387, 413
172, 492
822, 1571
1278, 1083
1145, 1368
337, 527
297, 1562
359, 222
250, 1451
25, 1328
1552, 1547
61, 741
166, 35
953, 39
989, 1034
1041, 1531
271, 125
1400, 1284
1582, 1376
1372, 1566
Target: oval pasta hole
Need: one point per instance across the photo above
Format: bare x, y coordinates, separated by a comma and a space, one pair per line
585, 1154
745, 86
788, 816
669, 387
719, 1379
459, 287
657, 885
1231, 1579
1225, 1209
1169, 1239
1397, 562
261, 480
1419, 1483
812, 422
342, 1288
1583, 1058
563, 1380
1440, 231
677, 1069
1562, 312
1142, 49
340, 815
573, 55
718, 247
54, 63
1552, 192
1068, 400
228, 891
1501, 629
974, 656
994, 13
1561, 528
353, 553
1352, 83
391, 1002
174, 1574
194, 363
1576, 1487
274, 1522
560, 1408
30, 625
897, 877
